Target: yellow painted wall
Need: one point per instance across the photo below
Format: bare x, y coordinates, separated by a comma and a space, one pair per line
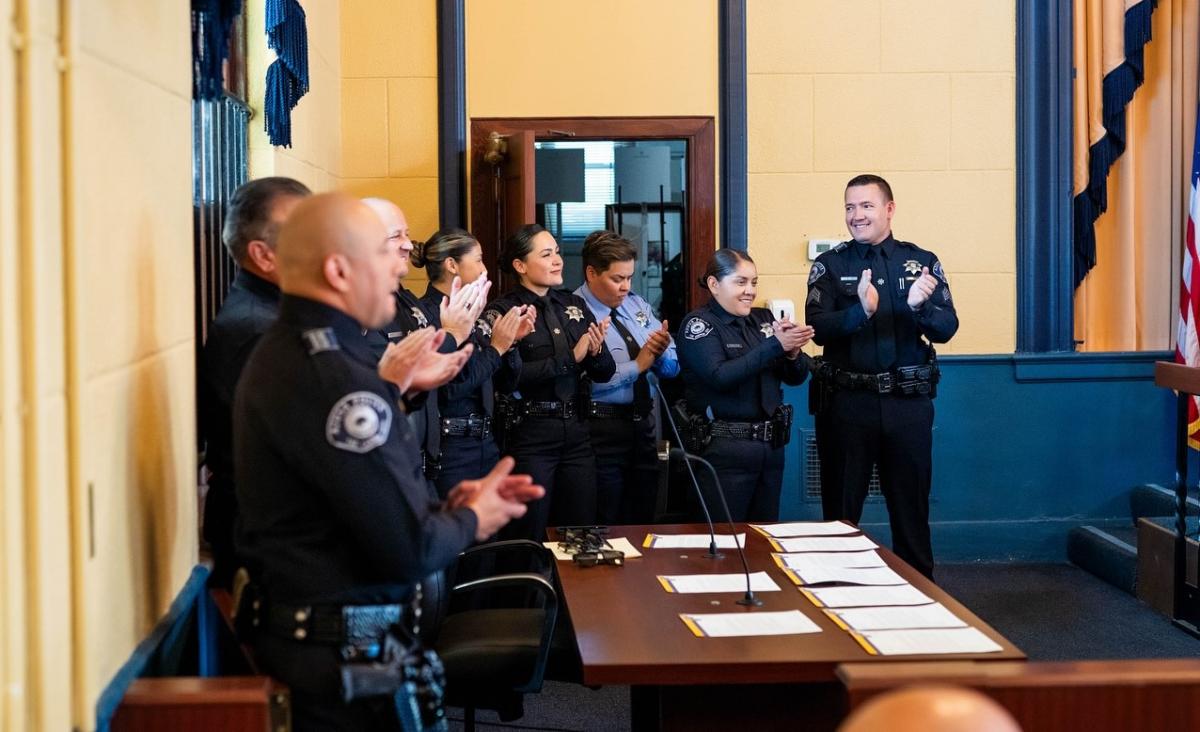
315, 157
919, 91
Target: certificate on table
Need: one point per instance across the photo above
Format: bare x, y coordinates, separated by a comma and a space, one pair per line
731, 625
926, 641
895, 618
691, 541
865, 596
698, 583
824, 544
826, 560
805, 528
844, 575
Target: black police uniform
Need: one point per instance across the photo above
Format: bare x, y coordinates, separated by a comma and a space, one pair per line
734, 366
551, 440
413, 313
334, 509
467, 403
867, 419
248, 310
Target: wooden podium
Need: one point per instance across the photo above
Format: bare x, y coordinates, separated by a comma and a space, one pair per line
1186, 381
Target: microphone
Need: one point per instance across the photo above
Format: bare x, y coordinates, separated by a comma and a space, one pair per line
749, 598
712, 533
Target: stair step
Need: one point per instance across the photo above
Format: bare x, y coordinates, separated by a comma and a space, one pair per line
1154, 500
1109, 553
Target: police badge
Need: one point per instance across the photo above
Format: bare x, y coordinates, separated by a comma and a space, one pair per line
419, 316
359, 422
574, 313
766, 330
641, 318
912, 267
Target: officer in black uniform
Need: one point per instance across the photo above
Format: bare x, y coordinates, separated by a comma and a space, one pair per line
337, 527
255, 213
734, 357
467, 403
876, 304
547, 434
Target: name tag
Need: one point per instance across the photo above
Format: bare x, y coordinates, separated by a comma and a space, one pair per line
733, 345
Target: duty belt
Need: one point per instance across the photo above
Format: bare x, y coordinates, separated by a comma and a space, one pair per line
904, 380
361, 626
562, 410
472, 425
756, 431
606, 410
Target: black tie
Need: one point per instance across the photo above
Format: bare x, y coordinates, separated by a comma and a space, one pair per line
768, 399
641, 387
564, 385
885, 336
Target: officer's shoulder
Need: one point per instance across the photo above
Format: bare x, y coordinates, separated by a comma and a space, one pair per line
910, 247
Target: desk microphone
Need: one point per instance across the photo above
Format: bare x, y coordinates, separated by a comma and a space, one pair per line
749, 598
712, 533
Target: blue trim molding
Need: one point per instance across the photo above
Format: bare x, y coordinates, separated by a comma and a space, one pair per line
452, 113
1045, 289
731, 38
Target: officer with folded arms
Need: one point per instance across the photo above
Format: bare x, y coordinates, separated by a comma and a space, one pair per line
337, 527
876, 305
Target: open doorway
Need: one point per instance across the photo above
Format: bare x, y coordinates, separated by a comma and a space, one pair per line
651, 178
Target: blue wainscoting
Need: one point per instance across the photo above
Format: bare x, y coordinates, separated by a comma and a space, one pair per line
1025, 448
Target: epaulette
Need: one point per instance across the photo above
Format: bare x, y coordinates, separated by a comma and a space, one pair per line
320, 340
840, 247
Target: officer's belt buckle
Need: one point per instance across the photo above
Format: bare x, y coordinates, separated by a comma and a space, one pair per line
884, 382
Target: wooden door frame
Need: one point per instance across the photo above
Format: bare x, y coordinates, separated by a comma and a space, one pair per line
701, 198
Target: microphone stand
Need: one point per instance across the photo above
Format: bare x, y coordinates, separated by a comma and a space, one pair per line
712, 533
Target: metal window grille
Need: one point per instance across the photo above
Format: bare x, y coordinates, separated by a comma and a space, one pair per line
812, 471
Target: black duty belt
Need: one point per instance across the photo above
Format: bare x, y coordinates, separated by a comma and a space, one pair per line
562, 410
756, 431
606, 410
904, 380
472, 425
354, 625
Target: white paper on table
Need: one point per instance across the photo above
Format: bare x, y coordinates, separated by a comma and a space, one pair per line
728, 625
695, 583
846, 576
806, 528
926, 641
691, 541
824, 544
827, 560
896, 618
866, 596
620, 543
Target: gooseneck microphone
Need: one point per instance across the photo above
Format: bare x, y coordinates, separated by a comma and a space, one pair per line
749, 598
712, 533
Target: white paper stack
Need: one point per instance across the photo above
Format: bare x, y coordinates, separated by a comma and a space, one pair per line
697, 583
805, 528
926, 641
845, 576
691, 541
729, 625
866, 596
824, 544
896, 618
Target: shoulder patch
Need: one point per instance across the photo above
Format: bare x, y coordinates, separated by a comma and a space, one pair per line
814, 296
816, 273
359, 422
696, 329
938, 271
319, 340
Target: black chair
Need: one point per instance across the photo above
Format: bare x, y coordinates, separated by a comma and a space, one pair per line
495, 636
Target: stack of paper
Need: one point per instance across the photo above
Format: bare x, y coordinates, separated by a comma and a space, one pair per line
844, 575
895, 618
866, 596
827, 560
696, 583
691, 541
925, 641
729, 625
824, 544
805, 528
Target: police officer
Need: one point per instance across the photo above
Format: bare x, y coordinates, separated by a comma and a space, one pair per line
734, 357
456, 315
255, 213
620, 415
563, 354
467, 403
337, 526
876, 304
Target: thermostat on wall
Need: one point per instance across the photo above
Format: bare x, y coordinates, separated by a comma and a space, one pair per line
817, 247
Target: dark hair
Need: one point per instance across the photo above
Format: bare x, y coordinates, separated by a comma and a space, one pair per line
602, 248
872, 180
449, 243
517, 246
723, 263
249, 214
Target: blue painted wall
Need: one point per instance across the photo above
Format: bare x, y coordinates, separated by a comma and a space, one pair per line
1026, 447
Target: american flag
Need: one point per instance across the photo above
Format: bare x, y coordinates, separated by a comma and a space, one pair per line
1187, 344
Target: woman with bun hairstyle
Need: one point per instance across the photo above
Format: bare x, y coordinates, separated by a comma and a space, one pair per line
734, 358
549, 437
467, 404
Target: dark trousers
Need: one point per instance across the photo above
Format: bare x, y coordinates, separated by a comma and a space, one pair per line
751, 474
220, 512
626, 469
861, 430
558, 454
465, 458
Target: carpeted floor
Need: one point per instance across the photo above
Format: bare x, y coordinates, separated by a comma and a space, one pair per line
1053, 612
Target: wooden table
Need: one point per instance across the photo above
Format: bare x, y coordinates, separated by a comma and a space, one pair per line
629, 632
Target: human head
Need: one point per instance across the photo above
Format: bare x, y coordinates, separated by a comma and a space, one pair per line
252, 220
397, 230
732, 280
608, 264
931, 709
532, 254
334, 249
450, 253
869, 209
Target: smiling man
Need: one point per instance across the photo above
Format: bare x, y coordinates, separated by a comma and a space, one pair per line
877, 305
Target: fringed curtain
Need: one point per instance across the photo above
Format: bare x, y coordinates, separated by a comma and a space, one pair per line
287, 77
1132, 167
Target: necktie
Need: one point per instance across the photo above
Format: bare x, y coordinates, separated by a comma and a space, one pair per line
885, 336
768, 398
564, 386
641, 387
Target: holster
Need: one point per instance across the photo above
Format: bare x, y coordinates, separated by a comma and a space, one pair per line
782, 420
820, 387
696, 429
412, 675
